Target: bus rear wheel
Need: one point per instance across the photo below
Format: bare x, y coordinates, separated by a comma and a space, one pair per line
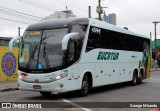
134, 79
45, 94
140, 78
85, 86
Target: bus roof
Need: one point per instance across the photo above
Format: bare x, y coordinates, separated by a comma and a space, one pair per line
56, 23
66, 22
105, 25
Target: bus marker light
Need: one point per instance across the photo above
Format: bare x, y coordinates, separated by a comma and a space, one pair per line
24, 74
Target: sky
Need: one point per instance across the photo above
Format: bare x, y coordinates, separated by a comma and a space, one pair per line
137, 15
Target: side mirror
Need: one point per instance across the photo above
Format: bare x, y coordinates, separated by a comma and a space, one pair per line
12, 42
66, 39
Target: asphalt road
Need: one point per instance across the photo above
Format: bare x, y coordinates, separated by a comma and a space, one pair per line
148, 91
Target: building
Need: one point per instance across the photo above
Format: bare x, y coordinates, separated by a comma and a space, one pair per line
61, 14
111, 18
153, 47
8, 61
157, 43
5, 40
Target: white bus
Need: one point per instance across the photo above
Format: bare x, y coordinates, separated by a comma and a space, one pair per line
79, 54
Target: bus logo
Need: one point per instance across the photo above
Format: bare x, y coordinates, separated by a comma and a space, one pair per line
108, 56
36, 80
96, 30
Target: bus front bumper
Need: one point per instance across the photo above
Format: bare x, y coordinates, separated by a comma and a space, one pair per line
56, 86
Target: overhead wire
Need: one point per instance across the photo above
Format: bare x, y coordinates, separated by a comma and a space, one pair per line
17, 15
14, 21
12, 12
131, 11
4, 29
72, 6
7, 29
123, 8
36, 4
48, 7
135, 11
21, 13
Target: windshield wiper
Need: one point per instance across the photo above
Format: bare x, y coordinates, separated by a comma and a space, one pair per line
45, 55
31, 57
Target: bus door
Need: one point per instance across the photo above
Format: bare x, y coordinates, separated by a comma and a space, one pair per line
71, 59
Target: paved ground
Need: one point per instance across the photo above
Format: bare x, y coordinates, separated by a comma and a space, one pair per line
8, 84
147, 92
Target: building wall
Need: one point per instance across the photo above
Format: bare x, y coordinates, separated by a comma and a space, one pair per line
60, 14
4, 50
111, 18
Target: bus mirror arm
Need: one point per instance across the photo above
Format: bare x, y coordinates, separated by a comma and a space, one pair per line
12, 42
66, 39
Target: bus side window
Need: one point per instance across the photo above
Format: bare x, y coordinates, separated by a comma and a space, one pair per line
94, 41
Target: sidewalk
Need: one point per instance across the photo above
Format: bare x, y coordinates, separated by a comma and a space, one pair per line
154, 69
8, 86
12, 85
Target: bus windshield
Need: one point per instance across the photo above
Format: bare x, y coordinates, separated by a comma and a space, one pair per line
42, 50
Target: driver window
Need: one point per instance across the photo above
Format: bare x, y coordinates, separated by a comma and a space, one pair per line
71, 51
78, 40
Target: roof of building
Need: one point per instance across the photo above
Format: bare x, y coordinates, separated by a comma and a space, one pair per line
5, 38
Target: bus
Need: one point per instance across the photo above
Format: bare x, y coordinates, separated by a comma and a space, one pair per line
68, 54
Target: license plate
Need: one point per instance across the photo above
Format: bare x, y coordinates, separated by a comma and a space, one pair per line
36, 87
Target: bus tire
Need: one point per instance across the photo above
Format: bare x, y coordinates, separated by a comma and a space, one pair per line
45, 94
140, 78
85, 86
134, 79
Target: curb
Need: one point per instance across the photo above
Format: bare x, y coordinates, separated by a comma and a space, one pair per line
155, 70
8, 89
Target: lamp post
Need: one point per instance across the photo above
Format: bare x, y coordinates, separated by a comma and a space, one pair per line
155, 24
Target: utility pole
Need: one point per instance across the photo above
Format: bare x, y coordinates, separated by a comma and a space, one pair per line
67, 11
155, 24
99, 9
151, 50
89, 11
19, 31
150, 40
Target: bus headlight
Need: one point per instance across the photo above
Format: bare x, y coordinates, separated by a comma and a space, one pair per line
23, 74
20, 77
61, 76
58, 77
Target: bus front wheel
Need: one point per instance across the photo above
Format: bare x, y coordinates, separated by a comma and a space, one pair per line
45, 94
85, 86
